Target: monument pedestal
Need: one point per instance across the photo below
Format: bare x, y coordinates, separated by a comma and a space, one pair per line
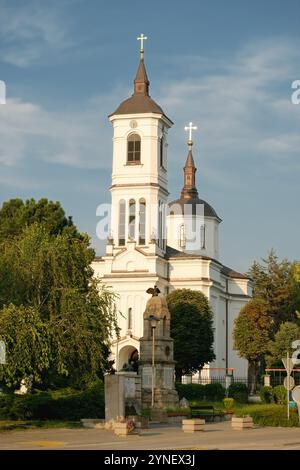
156, 346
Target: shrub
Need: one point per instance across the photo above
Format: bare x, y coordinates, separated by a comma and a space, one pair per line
266, 394
269, 415
178, 411
6, 402
228, 403
238, 391
61, 404
214, 392
280, 395
190, 391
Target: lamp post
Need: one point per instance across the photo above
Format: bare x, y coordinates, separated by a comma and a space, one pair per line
153, 323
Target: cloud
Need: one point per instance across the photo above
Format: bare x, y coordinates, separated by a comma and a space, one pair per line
32, 31
243, 113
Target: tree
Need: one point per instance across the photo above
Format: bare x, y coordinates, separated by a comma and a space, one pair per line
275, 283
191, 329
251, 335
46, 280
282, 343
16, 214
27, 341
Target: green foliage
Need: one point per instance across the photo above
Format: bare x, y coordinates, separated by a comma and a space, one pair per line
190, 311
287, 333
192, 392
251, 335
55, 318
178, 411
65, 404
214, 392
280, 395
269, 415
238, 391
266, 394
251, 330
275, 282
15, 215
228, 403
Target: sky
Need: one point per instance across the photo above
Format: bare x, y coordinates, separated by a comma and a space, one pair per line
226, 66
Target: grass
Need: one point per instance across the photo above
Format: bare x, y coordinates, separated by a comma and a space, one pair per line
10, 425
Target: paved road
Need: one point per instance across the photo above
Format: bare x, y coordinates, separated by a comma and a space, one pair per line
216, 436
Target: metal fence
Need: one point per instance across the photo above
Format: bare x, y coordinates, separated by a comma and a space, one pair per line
277, 377
216, 379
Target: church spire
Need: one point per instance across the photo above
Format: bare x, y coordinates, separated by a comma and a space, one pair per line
189, 190
141, 82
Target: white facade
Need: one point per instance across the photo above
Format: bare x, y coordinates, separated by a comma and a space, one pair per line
138, 255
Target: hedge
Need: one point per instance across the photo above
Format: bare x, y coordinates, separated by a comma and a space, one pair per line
238, 391
64, 404
269, 415
266, 394
209, 392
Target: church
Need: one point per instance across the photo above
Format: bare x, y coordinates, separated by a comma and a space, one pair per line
152, 241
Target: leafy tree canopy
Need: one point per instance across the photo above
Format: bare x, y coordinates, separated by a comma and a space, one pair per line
16, 214
251, 330
277, 283
191, 329
55, 318
282, 343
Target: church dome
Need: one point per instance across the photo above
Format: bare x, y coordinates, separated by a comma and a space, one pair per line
209, 211
138, 104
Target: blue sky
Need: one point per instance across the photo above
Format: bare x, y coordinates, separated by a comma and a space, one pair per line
227, 66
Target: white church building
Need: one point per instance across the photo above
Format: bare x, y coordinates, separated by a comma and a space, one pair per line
173, 245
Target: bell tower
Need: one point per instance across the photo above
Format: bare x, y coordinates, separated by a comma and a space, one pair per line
139, 178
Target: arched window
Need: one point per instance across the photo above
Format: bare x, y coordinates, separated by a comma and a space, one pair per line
202, 236
134, 149
131, 220
142, 224
182, 240
160, 229
161, 152
129, 319
122, 219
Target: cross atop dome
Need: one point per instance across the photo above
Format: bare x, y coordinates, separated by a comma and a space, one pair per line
189, 190
142, 38
190, 128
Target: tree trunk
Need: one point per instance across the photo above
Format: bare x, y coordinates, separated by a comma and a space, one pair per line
252, 377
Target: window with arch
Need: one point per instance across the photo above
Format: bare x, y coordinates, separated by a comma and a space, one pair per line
142, 222
161, 152
122, 219
202, 236
131, 220
129, 319
134, 149
182, 240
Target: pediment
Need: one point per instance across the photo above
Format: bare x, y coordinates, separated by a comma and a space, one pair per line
130, 261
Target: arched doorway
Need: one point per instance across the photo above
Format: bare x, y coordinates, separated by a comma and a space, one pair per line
128, 355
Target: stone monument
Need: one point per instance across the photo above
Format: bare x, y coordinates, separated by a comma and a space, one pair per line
156, 364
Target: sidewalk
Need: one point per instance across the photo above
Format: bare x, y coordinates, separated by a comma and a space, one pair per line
216, 436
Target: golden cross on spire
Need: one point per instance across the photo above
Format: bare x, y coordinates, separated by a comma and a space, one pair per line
190, 128
142, 38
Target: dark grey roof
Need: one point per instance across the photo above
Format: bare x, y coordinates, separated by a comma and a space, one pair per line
137, 104
231, 273
208, 210
173, 253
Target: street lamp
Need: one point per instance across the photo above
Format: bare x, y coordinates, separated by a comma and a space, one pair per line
153, 323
